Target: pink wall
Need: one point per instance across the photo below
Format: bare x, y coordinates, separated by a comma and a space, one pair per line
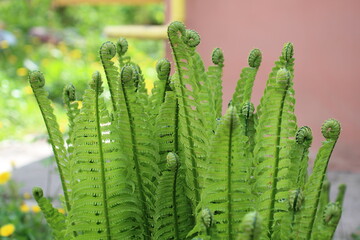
326, 35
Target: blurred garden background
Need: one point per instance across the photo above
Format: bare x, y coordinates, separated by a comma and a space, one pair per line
63, 42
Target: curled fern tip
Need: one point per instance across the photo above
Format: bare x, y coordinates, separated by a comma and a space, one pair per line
69, 92
122, 46
37, 193
36, 79
331, 129
191, 38
255, 58
304, 136
332, 214
288, 51
217, 57
107, 50
163, 68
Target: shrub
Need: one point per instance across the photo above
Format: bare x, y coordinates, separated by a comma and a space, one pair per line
170, 166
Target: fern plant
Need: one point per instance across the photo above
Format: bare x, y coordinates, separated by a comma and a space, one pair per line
168, 165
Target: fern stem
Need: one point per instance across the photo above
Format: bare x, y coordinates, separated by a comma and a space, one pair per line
102, 162
51, 137
229, 176
176, 128
315, 208
137, 165
276, 170
175, 213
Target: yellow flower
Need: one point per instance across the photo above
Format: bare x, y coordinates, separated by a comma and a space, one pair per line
21, 72
4, 44
1, 124
35, 209
24, 208
4, 177
7, 230
61, 210
27, 195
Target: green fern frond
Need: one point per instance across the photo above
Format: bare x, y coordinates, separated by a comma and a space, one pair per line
214, 75
163, 69
226, 190
286, 60
275, 130
121, 49
192, 136
247, 118
167, 125
305, 221
102, 198
145, 151
37, 82
245, 84
54, 218
107, 52
173, 213
72, 110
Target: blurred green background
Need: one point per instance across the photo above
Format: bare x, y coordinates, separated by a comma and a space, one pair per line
63, 43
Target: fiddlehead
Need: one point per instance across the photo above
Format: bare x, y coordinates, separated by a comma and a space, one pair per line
121, 46
255, 58
107, 50
69, 93
331, 129
304, 136
176, 28
36, 79
288, 51
332, 214
96, 83
191, 38
218, 57
163, 69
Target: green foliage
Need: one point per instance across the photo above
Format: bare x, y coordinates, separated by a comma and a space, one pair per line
169, 166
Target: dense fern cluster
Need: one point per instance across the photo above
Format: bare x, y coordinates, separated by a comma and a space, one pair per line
168, 165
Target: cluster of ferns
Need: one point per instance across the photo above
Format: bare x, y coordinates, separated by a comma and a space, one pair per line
170, 165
